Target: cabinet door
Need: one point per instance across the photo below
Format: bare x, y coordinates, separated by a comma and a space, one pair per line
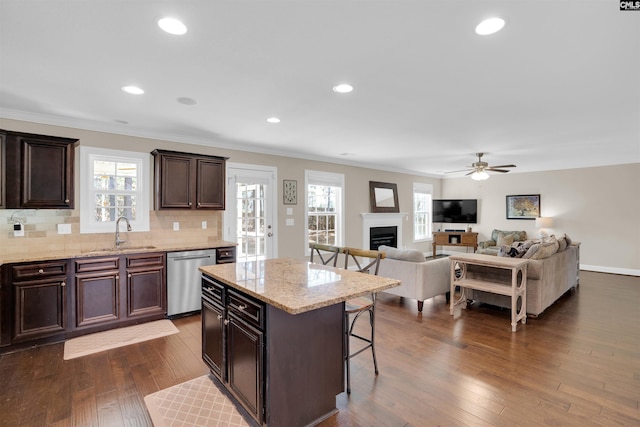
210, 184
146, 293
2, 168
174, 182
213, 338
40, 308
245, 365
97, 298
47, 174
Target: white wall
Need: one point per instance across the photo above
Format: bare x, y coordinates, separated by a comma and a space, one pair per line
599, 207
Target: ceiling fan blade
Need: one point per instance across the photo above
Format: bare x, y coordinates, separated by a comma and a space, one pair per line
496, 170
467, 174
503, 166
461, 170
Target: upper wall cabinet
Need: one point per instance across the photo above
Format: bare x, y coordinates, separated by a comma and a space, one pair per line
188, 181
2, 167
38, 171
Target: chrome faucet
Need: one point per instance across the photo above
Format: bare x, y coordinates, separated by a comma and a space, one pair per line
118, 241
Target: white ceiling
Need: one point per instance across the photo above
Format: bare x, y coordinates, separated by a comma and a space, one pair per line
557, 88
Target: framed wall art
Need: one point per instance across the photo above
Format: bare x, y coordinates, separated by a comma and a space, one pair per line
289, 192
525, 206
384, 197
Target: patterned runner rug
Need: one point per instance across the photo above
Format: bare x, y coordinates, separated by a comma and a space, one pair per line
193, 403
101, 341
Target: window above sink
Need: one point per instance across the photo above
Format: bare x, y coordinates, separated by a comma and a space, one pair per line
113, 183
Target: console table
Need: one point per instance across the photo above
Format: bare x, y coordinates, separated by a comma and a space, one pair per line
517, 289
454, 238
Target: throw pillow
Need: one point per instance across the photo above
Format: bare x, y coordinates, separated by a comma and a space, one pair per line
562, 243
531, 251
411, 255
505, 239
547, 248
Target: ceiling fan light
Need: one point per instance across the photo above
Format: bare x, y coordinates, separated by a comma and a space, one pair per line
479, 176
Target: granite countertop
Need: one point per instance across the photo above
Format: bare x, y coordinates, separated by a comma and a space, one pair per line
65, 254
297, 286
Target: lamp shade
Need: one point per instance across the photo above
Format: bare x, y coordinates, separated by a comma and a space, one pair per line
544, 222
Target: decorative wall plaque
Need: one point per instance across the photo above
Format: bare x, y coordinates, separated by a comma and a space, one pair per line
290, 192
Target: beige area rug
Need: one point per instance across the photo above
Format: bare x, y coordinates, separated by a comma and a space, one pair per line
101, 341
193, 403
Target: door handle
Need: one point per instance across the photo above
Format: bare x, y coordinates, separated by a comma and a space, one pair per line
269, 234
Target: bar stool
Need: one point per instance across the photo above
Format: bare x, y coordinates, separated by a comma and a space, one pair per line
326, 253
357, 306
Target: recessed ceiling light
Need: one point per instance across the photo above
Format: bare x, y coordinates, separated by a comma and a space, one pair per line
489, 26
172, 26
134, 90
273, 120
343, 88
187, 101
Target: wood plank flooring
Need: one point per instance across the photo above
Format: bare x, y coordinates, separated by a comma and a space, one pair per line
578, 364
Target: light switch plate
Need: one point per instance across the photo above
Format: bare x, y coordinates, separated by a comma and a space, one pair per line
204, 225
176, 226
289, 211
290, 221
64, 228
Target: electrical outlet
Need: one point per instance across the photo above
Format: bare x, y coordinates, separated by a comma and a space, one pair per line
204, 225
176, 226
64, 228
18, 230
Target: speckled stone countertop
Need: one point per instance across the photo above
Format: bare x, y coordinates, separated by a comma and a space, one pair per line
297, 286
65, 254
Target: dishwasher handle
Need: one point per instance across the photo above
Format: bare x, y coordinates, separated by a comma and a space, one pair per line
183, 258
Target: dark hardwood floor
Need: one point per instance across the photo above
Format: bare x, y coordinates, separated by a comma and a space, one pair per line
578, 364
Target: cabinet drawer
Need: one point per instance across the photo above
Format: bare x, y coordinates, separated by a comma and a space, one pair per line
40, 270
247, 309
226, 255
212, 290
97, 264
145, 260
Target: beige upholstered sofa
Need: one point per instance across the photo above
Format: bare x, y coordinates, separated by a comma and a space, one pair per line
548, 278
491, 246
420, 279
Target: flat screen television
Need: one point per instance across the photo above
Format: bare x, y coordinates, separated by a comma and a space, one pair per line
455, 211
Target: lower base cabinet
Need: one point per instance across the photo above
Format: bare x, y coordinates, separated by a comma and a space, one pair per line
119, 289
285, 370
40, 299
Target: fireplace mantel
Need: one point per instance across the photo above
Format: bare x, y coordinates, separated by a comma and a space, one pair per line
382, 220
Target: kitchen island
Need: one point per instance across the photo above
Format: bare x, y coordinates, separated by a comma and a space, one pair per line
273, 335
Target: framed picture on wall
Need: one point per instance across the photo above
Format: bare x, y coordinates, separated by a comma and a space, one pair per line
525, 206
289, 192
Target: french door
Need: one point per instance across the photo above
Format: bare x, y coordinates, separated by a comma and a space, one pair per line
250, 216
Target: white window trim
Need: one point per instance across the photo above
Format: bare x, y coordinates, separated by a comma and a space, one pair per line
330, 179
419, 187
143, 160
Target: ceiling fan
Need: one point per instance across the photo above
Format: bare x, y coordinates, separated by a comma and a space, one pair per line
478, 170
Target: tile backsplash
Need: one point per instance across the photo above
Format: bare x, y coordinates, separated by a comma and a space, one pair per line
41, 232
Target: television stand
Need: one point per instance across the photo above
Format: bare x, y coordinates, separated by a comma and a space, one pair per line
455, 238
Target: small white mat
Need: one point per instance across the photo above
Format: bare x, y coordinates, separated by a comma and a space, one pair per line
193, 403
101, 341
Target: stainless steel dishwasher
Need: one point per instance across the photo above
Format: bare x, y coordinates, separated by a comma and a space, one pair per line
184, 280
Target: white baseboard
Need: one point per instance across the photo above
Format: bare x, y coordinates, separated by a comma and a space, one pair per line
613, 270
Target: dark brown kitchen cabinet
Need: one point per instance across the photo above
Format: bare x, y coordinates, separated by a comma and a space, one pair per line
225, 255
188, 181
3, 139
113, 291
233, 343
39, 171
40, 299
97, 291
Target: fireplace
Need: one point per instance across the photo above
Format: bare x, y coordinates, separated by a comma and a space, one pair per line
379, 236
386, 220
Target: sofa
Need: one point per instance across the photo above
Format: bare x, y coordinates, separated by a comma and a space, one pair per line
420, 279
552, 270
500, 238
